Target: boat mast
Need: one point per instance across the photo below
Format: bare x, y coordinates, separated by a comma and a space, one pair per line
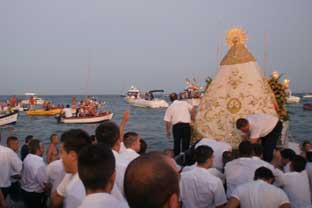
265, 54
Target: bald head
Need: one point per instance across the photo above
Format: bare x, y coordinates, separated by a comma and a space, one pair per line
151, 181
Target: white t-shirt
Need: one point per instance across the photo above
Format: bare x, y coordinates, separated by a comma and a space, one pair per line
72, 189
259, 194
56, 173
121, 166
128, 155
218, 148
178, 112
68, 112
10, 164
261, 125
242, 170
101, 200
297, 187
199, 189
213, 171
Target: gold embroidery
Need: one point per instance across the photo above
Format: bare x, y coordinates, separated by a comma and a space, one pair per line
234, 105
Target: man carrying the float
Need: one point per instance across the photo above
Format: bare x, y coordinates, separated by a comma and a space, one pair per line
264, 127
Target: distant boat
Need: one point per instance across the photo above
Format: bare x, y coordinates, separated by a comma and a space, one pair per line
43, 112
9, 118
307, 106
87, 120
37, 100
293, 99
306, 96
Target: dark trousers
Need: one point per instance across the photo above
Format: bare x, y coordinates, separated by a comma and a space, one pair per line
14, 191
34, 200
269, 141
181, 133
5, 191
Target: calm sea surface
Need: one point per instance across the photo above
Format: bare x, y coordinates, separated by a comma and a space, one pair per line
147, 122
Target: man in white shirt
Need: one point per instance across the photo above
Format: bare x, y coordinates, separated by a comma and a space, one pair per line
9, 163
180, 114
265, 127
286, 157
296, 183
152, 180
242, 169
259, 193
218, 147
34, 177
71, 190
67, 112
96, 167
198, 187
132, 143
55, 173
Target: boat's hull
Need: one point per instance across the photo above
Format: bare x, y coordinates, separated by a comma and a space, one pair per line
293, 100
307, 106
138, 102
10, 118
41, 112
86, 120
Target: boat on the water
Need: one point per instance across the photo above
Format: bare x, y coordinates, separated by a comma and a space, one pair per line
35, 99
9, 118
307, 106
43, 112
293, 99
307, 96
146, 101
103, 116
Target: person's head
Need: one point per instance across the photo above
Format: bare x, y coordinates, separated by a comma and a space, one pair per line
96, 168
309, 156
257, 150
152, 180
226, 157
12, 143
245, 149
286, 156
306, 146
108, 133
93, 139
204, 156
143, 147
298, 164
54, 139
36, 147
28, 139
265, 174
173, 96
132, 140
169, 152
243, 125
67, 106
72, 142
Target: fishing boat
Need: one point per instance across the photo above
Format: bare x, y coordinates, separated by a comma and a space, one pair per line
43, 112
9, 118
146, 101
103, 116
37, 100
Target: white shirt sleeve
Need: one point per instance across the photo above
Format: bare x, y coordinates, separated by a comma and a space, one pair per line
168, 115
219, 194
236, 193
283, 197
255, 132
16, 163
61, 189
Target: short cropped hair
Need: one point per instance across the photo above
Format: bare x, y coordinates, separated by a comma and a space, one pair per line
11, 138
258, 150
143, 147
28, 138
288, 154
241, 122
51, 137
130, 138
75, 140
298, 163
203, 153
263, 173
96, 165
34, 145
227, 156
150, 180
173, 96
107, 133
245, 148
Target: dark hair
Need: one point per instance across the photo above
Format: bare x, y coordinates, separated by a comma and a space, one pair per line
258, 150
305, 142
93, 138
28, 138
241, 122
33, 146
309, 156
143, 147
129, 138
67, 106
263, 173
96, 165
245, 148
203, 153
227, 157
52, 135
11, 138
75, 140
150, 180
298, 163
288, 154
173, 96
107, 133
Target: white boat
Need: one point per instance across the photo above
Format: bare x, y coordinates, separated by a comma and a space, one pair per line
87, 120
37, 100
293, 99
134, 98
9, 118
307, 96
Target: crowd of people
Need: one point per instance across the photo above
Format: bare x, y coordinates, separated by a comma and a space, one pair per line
112, 169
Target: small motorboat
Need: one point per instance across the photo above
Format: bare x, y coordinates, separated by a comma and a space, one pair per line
293, 99
307, 96
43, 112
103, 116
307, 106
36, 100
9, 118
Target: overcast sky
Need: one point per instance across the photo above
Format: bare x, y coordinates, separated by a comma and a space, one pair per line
46, 46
